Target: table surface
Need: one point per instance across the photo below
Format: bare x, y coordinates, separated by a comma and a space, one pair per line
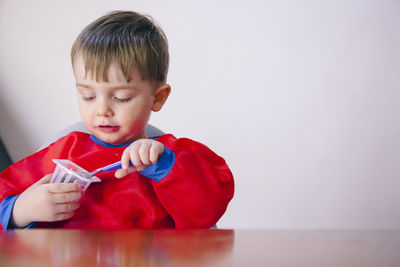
212, 247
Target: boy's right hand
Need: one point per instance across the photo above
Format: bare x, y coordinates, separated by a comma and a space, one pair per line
46, 202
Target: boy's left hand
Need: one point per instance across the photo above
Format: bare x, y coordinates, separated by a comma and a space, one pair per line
142, 153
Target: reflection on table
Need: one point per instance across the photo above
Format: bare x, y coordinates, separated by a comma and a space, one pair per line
200, 248
113, 248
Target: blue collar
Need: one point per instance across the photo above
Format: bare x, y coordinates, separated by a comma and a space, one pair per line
102, 143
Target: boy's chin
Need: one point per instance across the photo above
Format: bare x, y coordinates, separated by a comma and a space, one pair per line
115, 140
110, 139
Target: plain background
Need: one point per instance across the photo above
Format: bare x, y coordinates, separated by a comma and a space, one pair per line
300, 97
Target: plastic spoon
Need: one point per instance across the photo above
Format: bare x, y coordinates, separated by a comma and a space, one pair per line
114, 166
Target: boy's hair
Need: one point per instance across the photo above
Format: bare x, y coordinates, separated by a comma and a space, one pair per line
128, 39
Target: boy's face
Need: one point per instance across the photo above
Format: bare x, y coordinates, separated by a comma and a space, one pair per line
116, 111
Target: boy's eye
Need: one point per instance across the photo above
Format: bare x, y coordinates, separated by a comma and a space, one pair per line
89, 98
121, 100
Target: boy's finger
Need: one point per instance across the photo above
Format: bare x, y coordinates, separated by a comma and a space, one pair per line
141, 168
45, 180
125, 158
144, 153
66, 197
155, 152
64, 187
62, 216
66, 207
135, 157
122, 172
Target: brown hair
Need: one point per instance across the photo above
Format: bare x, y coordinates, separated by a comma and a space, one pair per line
128, 39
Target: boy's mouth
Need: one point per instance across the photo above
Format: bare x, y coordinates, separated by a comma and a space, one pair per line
108, 128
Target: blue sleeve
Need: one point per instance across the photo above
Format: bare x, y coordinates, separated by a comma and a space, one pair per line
163, 166
6, 207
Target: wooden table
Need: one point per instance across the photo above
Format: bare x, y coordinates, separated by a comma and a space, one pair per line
200, 248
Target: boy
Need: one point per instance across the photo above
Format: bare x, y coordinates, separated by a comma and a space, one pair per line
120, 63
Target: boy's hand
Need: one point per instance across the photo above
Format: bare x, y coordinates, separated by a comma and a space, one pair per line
46, 202
142, 153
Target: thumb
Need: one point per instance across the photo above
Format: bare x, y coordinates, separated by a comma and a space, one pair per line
44, 180
124, 172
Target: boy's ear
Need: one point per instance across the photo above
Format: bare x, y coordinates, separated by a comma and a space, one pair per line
160, 96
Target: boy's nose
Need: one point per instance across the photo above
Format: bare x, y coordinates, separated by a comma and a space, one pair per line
105, 113
103, 110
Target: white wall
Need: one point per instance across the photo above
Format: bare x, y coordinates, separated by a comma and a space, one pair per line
300, 97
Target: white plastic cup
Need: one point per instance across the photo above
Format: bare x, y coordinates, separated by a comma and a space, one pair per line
68, 172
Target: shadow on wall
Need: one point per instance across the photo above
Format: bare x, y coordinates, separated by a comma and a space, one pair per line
14, 138
5, 159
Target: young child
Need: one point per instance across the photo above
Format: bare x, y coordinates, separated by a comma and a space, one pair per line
120, 62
